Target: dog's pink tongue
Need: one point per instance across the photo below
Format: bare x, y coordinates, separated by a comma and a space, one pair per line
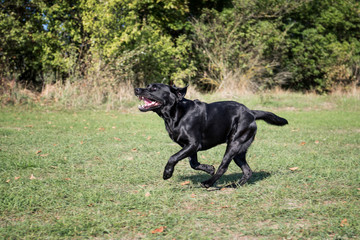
147, 101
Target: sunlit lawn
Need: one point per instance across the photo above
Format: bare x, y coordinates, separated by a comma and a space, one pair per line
98, 174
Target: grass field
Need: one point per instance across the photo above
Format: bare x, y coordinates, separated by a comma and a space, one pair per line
74, 174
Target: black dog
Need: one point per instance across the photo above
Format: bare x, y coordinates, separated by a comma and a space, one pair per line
198, 126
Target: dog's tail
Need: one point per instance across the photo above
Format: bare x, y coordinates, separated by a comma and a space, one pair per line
269, 117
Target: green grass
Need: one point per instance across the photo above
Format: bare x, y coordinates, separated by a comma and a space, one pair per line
99, 175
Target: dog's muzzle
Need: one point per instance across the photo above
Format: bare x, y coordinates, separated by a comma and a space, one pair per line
149, 104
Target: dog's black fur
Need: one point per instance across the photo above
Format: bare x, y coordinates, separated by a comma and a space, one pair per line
198, 126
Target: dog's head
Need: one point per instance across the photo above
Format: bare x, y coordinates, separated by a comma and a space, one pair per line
157, 96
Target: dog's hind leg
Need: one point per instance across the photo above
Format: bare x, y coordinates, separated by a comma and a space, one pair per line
238, 144
240, 160
229, 155
194, 163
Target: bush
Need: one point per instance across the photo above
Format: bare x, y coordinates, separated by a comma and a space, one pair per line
239, 44
322, 45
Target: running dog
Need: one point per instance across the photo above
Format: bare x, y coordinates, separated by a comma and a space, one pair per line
198, 126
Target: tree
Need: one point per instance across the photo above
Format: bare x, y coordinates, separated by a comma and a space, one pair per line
322, 45
302, 45
20, 25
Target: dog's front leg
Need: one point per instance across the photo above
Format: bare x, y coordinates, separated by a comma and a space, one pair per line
174, 159
194, 163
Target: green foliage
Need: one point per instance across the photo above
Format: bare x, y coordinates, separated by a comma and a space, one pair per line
149, 30
20, 48
232, 46
302, 45
322, 44
308, 45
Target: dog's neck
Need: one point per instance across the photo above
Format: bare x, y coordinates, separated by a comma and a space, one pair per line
170, 113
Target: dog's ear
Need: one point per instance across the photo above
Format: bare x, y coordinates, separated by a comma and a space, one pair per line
179, 92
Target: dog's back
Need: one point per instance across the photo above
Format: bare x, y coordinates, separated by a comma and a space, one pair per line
218, 120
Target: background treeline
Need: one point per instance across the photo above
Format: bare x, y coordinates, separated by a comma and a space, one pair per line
252, 44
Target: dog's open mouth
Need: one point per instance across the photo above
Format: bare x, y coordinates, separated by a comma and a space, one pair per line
148, 104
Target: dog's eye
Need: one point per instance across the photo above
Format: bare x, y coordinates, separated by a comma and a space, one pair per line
151, 88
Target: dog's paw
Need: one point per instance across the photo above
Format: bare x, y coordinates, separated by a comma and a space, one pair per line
242, 181
211, 170
206, 184
167, 174
232, 185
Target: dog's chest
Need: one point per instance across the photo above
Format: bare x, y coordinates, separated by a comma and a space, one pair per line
177, 135
186, 124
173, 133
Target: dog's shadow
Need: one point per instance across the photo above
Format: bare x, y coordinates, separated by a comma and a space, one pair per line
226, 179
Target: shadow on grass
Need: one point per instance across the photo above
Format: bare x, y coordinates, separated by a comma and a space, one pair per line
233, 178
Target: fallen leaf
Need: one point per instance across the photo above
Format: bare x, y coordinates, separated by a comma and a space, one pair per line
117, 139
39, 151
29, 126
16, 178
113, 127
67, 179
193, 195
148, 138
158, 230
101, 129
44, 155
302, 143
90, 205
185, 183
317, 142
344, 222
7, 181
134, 150
147, 194
294, 168
81, 142
32, 177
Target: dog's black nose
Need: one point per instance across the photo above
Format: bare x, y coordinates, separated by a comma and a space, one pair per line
137, 91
